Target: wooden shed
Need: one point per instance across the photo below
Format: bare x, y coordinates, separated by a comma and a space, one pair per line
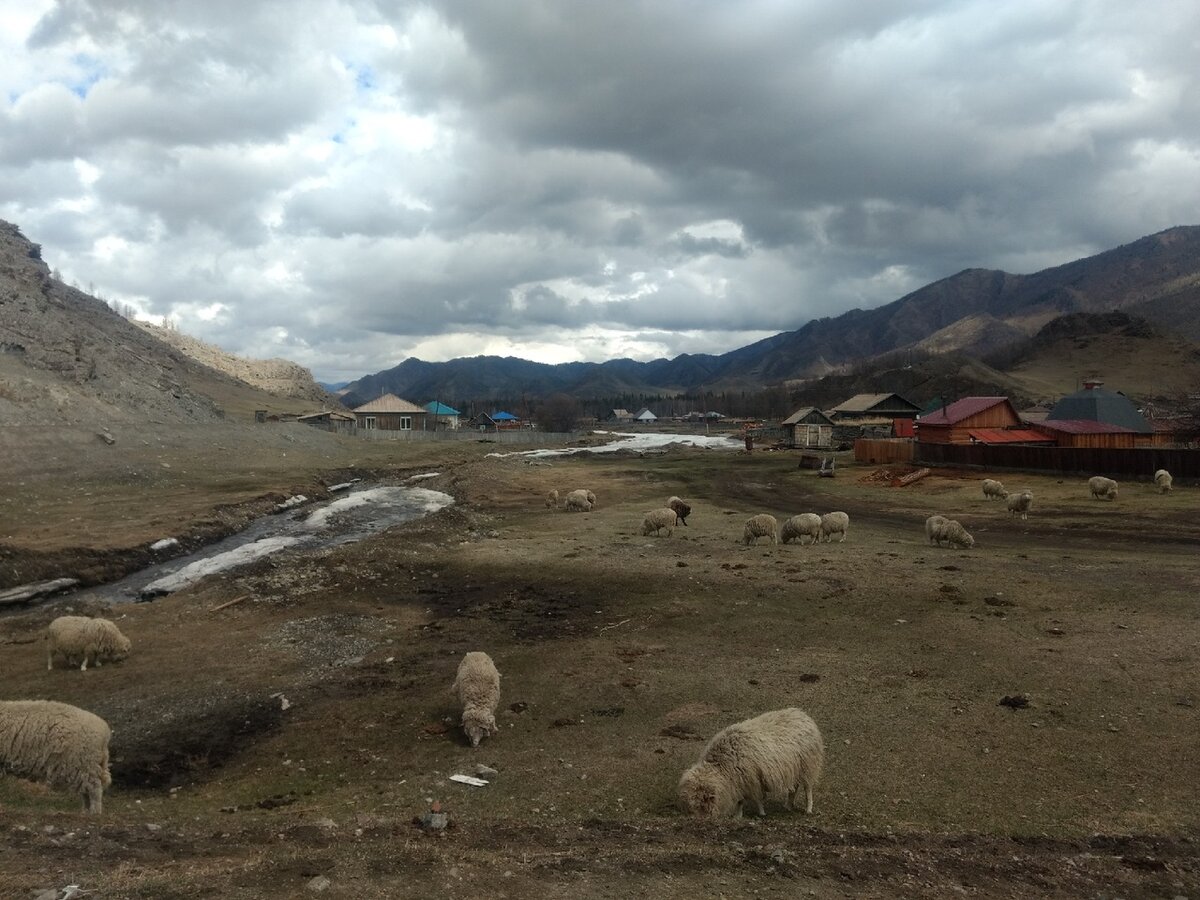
952, 424
1087, 433
874, 406
390, 413
808, 427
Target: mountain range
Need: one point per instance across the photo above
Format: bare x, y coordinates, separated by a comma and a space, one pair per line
976, 312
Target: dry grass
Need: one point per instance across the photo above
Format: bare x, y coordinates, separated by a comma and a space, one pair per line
624, 653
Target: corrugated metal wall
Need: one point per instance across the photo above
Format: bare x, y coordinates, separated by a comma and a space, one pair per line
1140, 463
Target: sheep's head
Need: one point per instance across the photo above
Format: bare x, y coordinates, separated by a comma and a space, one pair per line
121, 649
705, 793
478, 724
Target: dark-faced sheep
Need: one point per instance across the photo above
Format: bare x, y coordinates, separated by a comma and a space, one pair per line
681, 509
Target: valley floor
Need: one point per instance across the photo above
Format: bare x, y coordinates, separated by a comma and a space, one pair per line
621, 655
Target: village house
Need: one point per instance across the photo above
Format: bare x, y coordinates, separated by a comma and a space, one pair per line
390, 413
1095, 404
884, 407
808, 427
1085, 433
330, 420
645, 417
441, 416
619, 415
972, 420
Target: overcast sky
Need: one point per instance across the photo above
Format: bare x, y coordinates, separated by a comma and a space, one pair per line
347, 183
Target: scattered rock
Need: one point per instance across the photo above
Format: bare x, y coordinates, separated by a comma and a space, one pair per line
1057, 632
318, 884
916, 673
753, 681
106, 437
563, 723
998, 601
482, 771
433, 821
810, 677
681, 564
1015, 701
611, 712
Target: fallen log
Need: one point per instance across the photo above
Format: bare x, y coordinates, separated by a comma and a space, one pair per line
26, 592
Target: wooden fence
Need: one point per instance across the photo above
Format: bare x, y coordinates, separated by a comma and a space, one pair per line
523, 436
1140, 463
883, 451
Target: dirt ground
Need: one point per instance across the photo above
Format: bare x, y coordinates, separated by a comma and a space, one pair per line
621, 654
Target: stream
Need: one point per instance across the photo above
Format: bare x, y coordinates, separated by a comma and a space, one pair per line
349, 518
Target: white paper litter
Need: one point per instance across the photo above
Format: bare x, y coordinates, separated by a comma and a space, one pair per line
467, 779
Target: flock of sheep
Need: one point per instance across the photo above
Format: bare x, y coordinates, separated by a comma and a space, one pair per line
779, 752
61, 745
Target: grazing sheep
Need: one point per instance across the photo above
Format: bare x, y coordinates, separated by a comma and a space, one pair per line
477, 685
551, 499
681, 509
760, 526
834, 523
780, 752
60, 745
658, 519
1099, 486
1020, 504
932, 525
952, 533
993, 490
1163, 479
577, 501
799, 526
591, 498
83, 640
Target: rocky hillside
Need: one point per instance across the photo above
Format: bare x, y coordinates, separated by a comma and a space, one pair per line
66, 358
276, 376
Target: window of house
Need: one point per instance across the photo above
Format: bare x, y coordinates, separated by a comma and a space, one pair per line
406, 423
369, 423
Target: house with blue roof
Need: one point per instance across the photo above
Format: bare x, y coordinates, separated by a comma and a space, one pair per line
441, 416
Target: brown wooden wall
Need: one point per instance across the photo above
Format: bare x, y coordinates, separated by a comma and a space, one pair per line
1121, 441
1139, 463
881, 452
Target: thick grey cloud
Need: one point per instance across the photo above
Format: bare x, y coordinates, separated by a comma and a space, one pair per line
348, 182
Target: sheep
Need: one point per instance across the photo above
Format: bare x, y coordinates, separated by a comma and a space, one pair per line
834, 523
932, 526
780, 752
477, 685
657, 519
760, 526
993, 489
799, 526
682, 509
1163, 479
948, 530
591, 498
1099, 486
60, 745
551, 499
80, 639
577, 501
1020, 504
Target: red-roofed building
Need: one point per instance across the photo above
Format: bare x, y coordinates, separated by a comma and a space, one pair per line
952, 424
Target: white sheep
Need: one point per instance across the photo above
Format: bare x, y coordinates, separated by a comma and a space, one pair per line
801, 526
760, 526
577, 501
1020, 504
477, 686
591, 498
932, 525
657, 519
551, 499
78, 639
1099, 486
683, 510
63, 746
1163, 479
952, 532
780, 752
993, 490
834, 523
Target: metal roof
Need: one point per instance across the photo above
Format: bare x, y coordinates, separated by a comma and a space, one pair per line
332, 413
389, 403
437, 408
1084, 426
1009, 436
960, 410
798, 415
1098, 405
864, 402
